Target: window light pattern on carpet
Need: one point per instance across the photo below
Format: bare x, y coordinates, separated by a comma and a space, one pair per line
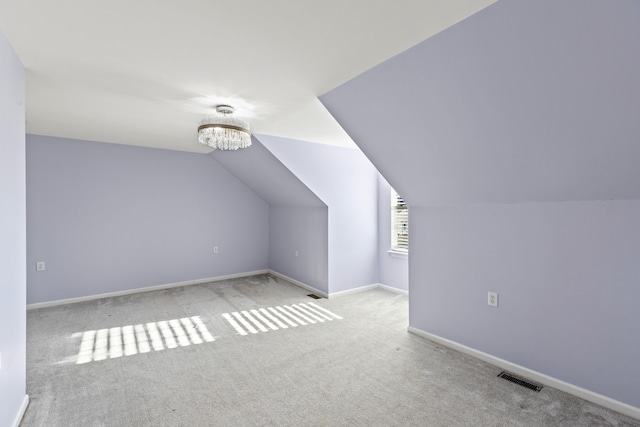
128, 340
278, 317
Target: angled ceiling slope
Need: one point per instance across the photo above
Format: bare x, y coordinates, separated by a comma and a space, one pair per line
146, 72
266, 176
523, 101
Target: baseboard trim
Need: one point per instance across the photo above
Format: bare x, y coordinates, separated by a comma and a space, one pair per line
299, 284
141, 290
354, 290
392, 289
580, 392
339, 293
368, 288
21, 411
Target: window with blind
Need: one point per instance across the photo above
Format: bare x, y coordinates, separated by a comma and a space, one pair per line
399, 223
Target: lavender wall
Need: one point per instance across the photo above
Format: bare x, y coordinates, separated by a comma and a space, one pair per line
393, 270
108, 218
304, 229
297, 217
523, 101
263, 173
347, 182
567, 275
495, 123
12, 235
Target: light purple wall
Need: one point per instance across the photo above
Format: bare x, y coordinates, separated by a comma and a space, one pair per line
393, 270
567, 275
12, 235
263, 173
495, 122
297, 217
304, 229
523, 101
108, 218
347, 182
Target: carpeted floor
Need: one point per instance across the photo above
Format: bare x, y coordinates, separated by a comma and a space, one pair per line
258, 352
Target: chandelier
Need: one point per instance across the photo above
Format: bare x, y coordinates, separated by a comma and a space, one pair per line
223, 132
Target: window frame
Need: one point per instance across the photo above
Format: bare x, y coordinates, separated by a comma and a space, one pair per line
399, 225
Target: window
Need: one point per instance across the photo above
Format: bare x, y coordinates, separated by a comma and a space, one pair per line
399, 223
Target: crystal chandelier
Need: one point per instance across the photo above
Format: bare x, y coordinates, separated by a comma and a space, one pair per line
223, 132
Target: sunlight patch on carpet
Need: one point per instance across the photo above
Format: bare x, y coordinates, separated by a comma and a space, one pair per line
267, 319
112, 343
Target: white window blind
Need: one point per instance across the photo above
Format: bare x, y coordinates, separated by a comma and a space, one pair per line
399, 223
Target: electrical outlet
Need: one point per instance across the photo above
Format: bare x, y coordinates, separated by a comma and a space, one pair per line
215, 249
492, 299
40, 266
296, 252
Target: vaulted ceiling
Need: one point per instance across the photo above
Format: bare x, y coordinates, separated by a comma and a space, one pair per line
146, 72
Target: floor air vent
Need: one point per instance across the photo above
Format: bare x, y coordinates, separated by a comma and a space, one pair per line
314, 296
520, 381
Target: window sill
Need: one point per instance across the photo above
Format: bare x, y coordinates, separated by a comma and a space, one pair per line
398, 254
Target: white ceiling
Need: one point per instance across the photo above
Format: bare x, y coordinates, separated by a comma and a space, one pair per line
146, 72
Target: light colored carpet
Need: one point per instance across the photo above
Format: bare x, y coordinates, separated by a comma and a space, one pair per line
362, 369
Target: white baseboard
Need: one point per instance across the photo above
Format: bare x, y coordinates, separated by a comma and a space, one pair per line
580, 392
209, 280
392, 289
340, 293
21, 411
368, 288
140, 290
353, 291
299, 284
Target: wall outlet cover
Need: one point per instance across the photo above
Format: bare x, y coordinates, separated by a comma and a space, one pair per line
492, 299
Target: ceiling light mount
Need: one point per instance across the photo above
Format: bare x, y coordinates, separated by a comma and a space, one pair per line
223, 132
224, 109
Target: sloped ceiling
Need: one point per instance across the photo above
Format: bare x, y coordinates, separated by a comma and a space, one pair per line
523, 101
146, 72
266, 176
